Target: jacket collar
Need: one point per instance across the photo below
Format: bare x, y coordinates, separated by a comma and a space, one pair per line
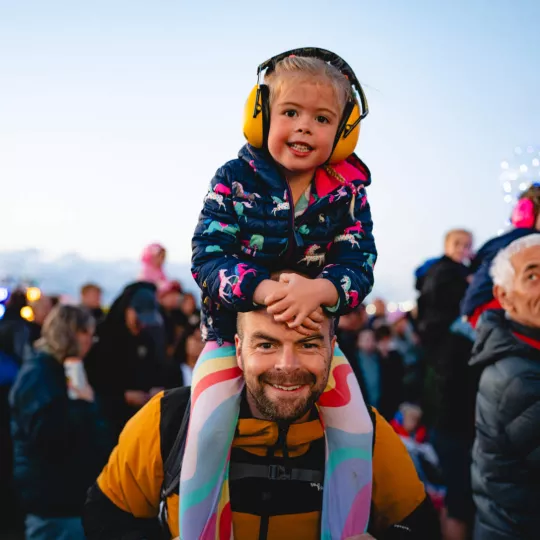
353, 170
257, 436
496, 339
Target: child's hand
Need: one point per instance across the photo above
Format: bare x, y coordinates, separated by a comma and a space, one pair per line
295, 302
312, 323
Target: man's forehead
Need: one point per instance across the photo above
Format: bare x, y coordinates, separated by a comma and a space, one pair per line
259, 321
526, 257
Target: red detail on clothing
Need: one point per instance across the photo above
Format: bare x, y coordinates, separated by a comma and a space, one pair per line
209, 531
225, 522
325, 184
535, 343
420, 435
492, 304
214, 378
341, 394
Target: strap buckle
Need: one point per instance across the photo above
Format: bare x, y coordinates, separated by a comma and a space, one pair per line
278, 472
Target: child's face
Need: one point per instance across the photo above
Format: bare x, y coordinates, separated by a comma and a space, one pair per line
304, 118
411, 420
458, 247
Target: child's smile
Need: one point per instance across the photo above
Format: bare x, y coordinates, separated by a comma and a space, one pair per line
303, 124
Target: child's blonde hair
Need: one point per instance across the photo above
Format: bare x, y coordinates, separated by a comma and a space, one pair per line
313, 68
454, 232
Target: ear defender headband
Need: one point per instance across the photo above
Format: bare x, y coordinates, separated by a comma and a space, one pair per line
257, 109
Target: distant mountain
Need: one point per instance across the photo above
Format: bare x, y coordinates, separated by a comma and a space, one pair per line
65, 274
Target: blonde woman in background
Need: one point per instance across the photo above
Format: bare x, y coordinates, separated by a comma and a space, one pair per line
60, 444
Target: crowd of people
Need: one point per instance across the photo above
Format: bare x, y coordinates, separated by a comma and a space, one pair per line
279, 407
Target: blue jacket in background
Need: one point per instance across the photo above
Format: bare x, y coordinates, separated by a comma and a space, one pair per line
247, 230
60, 445
506, 454
480, 291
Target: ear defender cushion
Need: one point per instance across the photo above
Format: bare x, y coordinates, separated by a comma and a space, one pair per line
523, 214
348, 138
257, 116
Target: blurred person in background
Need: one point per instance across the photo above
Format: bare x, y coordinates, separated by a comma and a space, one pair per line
91, 300
525, 221
152, 262
392, 372
174, 320
188, 306
443, 288
455, 387
41, 309
14, 347
379, 317
60, 442
407, 343
369, 365
349, 327
189, 349
126, 364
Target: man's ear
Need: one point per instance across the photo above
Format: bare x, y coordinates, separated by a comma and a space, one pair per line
333, 345
238, 346
504, 298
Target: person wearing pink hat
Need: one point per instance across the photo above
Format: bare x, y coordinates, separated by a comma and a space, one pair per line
153, 258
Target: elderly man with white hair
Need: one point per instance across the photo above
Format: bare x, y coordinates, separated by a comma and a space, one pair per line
506, 454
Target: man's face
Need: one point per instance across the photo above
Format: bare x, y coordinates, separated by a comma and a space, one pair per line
91, 298
522, 303
285, 371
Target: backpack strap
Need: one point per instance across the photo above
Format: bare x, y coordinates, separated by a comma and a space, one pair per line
172, 467
173, 464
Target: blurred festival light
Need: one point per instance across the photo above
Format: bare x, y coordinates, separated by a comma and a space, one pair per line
517, 173
2, 310
4, 294
406, 306
33, 294
371, 309
27, 313
391, 307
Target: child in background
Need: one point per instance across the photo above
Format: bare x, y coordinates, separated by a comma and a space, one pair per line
408, 425
153, 258
294, 199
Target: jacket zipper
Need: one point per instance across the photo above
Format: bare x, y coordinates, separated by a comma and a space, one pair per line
281, 442
292, 240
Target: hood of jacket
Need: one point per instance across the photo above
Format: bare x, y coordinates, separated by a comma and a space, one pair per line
496, 340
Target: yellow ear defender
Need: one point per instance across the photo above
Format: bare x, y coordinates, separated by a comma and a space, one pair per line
257, 108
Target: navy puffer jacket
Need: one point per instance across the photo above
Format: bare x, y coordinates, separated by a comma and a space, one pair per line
59, 444
506, 454
247, 230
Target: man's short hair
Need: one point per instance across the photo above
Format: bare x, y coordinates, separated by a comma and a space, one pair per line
87, 287
502, 271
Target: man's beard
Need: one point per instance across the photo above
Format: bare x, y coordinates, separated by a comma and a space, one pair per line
289, 409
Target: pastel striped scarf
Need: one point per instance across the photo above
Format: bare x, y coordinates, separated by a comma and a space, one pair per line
205, 510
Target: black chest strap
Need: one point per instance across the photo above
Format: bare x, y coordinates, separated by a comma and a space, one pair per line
240, 471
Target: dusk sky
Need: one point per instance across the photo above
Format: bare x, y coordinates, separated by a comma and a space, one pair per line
114, 115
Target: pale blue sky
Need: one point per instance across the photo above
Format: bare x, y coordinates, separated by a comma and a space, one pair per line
115, 114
